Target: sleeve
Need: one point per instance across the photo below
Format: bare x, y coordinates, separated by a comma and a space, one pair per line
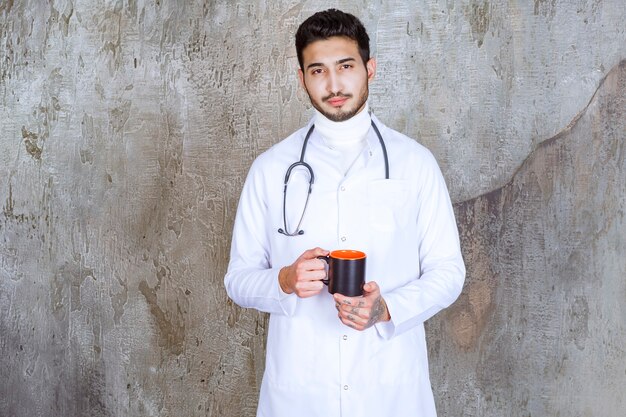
442, 271
250, 280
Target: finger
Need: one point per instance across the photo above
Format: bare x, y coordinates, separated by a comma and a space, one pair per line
342, 299
314, 264
314, 253
352, 321
347, 323
349, 303
313, 278
307, 292
356, 309
304, 272
370, 287
353, 314
305, 276
363, 313
309, 286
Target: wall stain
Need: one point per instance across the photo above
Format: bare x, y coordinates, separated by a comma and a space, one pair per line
172, 335
171, 325
119, 300
65, 286
118, 116
8, 211
478, 16
65, 19
578, 319
5, 6
31, 140
545, 8
233, 313
47, 113
8, 208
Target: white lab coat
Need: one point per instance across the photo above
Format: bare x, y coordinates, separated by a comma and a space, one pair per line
315, 365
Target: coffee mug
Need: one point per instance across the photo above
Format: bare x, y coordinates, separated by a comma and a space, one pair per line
346, 272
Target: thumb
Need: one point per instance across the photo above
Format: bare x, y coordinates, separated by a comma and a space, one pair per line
370, 287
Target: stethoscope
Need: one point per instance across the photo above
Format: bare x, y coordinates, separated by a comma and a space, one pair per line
301, 163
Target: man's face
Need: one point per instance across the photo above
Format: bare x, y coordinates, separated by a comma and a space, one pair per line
335, 78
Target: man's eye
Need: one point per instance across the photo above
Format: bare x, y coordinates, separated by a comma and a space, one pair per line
316, 71
346, 66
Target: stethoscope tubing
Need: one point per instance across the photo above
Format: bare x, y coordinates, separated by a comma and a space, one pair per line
312, 179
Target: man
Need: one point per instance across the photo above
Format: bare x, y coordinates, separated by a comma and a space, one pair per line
335, 355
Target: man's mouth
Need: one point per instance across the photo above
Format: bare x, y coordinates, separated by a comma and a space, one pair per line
337, 100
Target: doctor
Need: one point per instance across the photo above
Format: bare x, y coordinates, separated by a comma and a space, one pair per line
371, 189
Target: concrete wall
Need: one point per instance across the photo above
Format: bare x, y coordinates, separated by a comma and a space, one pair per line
127, 128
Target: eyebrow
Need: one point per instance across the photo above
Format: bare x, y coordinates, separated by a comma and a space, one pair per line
338, 62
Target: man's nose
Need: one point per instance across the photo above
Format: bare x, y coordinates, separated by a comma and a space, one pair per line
334, 82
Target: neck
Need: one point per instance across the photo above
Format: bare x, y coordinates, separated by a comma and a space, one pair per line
344, 134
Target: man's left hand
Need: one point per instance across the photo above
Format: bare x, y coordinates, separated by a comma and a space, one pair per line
362, 312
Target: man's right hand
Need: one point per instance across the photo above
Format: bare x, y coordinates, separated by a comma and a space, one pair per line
304, 277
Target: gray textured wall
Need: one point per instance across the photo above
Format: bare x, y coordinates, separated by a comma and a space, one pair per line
127, 128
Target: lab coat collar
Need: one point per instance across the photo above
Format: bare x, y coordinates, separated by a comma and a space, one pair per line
372, 143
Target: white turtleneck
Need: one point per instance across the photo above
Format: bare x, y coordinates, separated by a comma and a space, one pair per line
348, 136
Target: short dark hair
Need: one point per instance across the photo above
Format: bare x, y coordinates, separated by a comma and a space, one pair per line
329, 23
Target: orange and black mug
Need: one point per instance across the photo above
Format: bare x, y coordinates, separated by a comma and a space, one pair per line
345, 273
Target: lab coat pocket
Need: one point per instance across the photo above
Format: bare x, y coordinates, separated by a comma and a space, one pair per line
388, 204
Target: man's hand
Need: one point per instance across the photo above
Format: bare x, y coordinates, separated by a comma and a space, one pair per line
363, 312
304, 277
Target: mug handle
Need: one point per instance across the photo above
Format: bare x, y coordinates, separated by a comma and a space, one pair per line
326, 259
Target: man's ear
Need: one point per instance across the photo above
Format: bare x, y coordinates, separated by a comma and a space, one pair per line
301, 78
371, 69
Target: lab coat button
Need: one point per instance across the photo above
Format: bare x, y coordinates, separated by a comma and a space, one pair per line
343, 238
345, 387
345, 337
343, 188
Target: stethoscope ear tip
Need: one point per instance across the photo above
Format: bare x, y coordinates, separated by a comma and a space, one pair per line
301, 232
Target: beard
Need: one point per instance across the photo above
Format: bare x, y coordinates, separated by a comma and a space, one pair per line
340, 115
